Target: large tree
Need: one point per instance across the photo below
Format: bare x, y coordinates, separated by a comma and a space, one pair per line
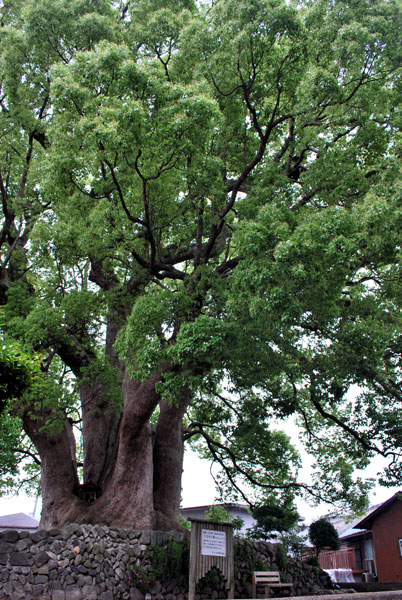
200, 236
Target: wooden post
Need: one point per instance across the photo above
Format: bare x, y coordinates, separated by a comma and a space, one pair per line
211, 546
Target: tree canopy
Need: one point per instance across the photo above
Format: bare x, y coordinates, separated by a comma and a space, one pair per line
200, 236
322, 534
274, 519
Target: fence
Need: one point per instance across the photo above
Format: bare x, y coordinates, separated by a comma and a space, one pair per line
339, 559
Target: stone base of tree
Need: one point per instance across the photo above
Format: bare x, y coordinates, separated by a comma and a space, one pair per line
96, 563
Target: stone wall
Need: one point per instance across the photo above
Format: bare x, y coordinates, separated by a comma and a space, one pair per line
260, 556
84, 562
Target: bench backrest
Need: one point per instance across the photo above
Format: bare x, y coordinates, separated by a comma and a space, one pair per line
264, 577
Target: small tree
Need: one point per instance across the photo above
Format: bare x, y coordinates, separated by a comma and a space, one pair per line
217, 513
273, 517
294, 540
322, 534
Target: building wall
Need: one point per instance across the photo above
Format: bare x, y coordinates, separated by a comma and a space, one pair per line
387, 530
249, 521
28, 529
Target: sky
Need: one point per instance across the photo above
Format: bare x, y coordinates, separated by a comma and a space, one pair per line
199, 490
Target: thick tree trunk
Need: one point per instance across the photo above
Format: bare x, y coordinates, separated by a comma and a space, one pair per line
135, 473
168, 464
101, 417
100, 430
95, 430
128, 499
59, 478
142, 488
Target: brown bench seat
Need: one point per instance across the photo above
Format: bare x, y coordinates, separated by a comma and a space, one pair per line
270, 580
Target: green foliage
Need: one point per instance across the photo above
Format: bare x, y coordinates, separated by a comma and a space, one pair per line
281, 558
313, 561
19, 462
14, 373
274, 517
10, 438
322, 534
295, 541
210, 581
140, 578
219, 514
184, 522
19, 371
237, 523
170, 561
209, 198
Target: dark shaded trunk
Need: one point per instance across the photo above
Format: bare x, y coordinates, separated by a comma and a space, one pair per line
168, 464
59, 479
127, 500
100, 430
136, 482
101, 416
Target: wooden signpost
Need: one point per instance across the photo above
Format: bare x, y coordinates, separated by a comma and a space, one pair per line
211, 546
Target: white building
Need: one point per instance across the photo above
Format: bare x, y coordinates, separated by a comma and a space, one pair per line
18, 521
234, 510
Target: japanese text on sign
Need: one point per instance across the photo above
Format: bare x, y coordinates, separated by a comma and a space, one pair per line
213, 543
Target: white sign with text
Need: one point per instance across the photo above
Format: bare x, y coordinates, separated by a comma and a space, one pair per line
213, 543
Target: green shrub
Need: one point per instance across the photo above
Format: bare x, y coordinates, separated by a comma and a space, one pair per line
218, 513
141, 579
323, 534
281, 558
171, 561
210, 581
312, 561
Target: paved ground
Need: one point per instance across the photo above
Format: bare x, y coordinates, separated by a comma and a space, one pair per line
392, 595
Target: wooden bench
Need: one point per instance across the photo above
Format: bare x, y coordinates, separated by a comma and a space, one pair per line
269, 580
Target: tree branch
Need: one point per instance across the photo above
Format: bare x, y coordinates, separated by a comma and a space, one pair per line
27, 453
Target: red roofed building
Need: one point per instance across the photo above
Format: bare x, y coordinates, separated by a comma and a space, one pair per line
385, 525
371, 548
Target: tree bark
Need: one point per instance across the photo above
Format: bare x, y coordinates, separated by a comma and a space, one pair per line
59, 479
138, 481
101, 416
128, 501
168, 464
100, 428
